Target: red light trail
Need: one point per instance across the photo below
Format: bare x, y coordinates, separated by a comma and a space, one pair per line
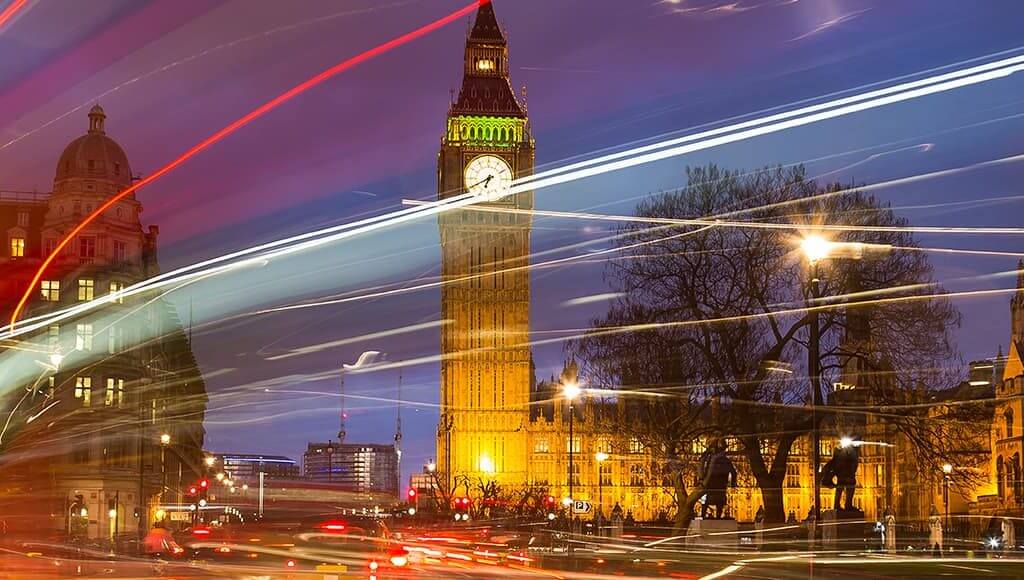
13, 9
231, 128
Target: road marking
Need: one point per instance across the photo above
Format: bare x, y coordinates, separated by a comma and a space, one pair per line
969, 568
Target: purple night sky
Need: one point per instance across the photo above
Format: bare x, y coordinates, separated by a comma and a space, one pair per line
600, 74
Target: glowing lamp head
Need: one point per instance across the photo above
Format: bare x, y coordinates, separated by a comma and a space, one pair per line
220, 477
845, 442
947, 469
165, 439
571, 391
55, 360
567, 501
112, 513
431, 467
815, 248
601, 456
210, 460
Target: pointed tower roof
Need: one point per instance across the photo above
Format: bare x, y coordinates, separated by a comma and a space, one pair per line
486, 28
486, 84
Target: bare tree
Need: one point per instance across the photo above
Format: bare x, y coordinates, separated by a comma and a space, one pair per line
726, 306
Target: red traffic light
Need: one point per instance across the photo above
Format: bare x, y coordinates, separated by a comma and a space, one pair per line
204, 483
550, 500
193, 490
412, 494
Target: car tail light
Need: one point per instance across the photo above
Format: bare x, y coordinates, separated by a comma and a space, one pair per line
224, 550
333, 526
201, 532
290, 564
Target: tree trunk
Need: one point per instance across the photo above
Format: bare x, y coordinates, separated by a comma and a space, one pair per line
771, 493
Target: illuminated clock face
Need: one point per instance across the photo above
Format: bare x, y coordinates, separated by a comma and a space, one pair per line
488, 175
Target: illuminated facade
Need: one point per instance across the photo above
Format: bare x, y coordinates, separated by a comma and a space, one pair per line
486, 369
497, 423
105, 410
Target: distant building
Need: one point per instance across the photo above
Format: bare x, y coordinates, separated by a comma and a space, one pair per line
121, 396
357, 466
247, 467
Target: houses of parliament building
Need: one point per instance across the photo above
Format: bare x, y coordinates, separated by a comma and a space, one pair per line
499, 424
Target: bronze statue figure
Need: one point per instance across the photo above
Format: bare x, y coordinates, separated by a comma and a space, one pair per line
717, 472
840, 473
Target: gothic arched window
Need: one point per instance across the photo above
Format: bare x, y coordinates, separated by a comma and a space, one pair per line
1008, 419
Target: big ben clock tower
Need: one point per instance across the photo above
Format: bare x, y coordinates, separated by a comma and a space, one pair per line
485, 368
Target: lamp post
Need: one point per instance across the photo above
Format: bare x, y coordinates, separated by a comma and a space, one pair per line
165, 440
947, 470
600, 457
571, 391
815, 249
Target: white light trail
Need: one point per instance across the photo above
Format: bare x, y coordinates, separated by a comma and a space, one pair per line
632, 158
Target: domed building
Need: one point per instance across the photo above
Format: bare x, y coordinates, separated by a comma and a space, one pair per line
122, 395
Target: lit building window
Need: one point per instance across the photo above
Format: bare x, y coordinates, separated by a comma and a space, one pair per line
115, 392
635, 445
604, 471
115, 339
17, 247
86, 288
575, 446
23, 219
83, 337
51, 290
115, 289
541, 446
636, 476
485, 64
53, 335
603, 446
83, 390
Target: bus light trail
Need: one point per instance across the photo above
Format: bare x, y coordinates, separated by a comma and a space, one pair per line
231, 128
11, 10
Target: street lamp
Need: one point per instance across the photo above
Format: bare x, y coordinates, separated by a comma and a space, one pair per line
815, 249
431, 467
947, 471
600, 457
571, 391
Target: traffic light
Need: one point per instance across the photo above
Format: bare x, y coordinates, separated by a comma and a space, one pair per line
204, 483
413, 497
193, 490
551, 506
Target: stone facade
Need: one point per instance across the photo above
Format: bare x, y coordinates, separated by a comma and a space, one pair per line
89, 396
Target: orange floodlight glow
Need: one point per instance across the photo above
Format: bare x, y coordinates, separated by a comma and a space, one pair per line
229, 129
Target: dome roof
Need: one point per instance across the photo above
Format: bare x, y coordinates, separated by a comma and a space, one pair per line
95, 156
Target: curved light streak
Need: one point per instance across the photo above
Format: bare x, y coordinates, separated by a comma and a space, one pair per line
236, 125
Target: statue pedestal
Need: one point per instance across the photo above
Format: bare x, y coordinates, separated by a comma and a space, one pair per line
849, 529
712, 534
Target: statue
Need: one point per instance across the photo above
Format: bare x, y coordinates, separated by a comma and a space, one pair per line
935, 532
840, 473
717, 472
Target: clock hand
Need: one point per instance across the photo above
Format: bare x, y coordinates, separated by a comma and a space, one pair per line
484, 182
